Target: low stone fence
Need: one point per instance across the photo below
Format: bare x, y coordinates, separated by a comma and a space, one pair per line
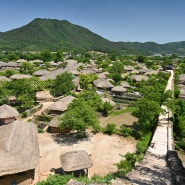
176, 167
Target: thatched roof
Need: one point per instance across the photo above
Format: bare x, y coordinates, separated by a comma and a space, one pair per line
19, 149
54, 122
75, 160
182, 78
52, 74
109, 101
118, 89
128, 68
4, 78
62, 104
19, 76
44, 95
102, 83
125, 84
41, 72
145, 70
139, 78
7, 111
12, 64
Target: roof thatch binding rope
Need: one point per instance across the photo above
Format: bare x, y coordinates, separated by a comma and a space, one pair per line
19, 149
7, 111
75, 160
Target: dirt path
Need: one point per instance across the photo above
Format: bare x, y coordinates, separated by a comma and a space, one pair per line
104, 150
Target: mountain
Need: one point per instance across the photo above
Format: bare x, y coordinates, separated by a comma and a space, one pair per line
53, 34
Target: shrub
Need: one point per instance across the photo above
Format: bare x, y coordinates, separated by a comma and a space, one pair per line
126, 165
143, 143
180, 145
110, 129
24, 114
125, 131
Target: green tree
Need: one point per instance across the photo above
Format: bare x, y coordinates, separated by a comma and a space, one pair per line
92, 98
147, 111
46, 55
117, 67
86, 80
63, 84
26, 68
79, 117
59, 56
107, 107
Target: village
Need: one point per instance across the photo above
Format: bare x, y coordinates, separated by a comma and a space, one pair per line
34, 144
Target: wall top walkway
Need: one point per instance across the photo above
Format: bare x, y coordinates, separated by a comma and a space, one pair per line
153, 168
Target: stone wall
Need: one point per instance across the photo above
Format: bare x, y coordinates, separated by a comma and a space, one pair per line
176, 167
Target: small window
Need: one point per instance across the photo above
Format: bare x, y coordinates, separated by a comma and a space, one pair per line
21, 174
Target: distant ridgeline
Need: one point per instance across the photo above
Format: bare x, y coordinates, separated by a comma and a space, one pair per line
52, 34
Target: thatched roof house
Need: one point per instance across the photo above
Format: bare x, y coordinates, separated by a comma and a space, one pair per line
4, 78
19, 151
41, 72
139, 78
102, 83
19, 76
75, 160
118, 90
128, 68
109, 101
125, 84
145, 70
44, 96
8, 114
61, 105
182, 78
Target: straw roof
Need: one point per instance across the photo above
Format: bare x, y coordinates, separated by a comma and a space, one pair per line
54, 122
4, 78
182, 77
20, 76
128, 68
125, 84
41, 72
102, 83
145, 70
109, 101
75, 160
62, 104
44, 95
118, 89
139, 78
19, 149
12, 64
7, 111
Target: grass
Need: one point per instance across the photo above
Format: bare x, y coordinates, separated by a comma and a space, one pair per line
118, 112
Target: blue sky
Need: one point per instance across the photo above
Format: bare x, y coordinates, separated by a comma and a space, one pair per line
159, 21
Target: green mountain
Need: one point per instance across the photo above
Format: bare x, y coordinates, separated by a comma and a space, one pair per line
52, 34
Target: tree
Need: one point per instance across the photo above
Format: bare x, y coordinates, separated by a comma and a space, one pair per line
59, 56
147, 111
93, 99
63, 84
46, 55
117, 67
107, 107
79, 117
86, 80
24, 90
26, 68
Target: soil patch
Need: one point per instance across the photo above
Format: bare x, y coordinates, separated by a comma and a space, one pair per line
104, 150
